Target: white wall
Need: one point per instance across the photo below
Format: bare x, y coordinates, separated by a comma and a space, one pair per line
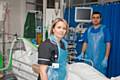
50, 16
30, 6
17, 16
18, 12
15, 19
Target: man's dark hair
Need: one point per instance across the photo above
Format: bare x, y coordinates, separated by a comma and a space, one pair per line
97, 13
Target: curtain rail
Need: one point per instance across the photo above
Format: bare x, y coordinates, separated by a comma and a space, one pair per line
92, 3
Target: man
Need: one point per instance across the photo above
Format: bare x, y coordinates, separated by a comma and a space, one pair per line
96, 46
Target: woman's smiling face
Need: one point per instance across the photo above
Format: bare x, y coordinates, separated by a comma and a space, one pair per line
60, 30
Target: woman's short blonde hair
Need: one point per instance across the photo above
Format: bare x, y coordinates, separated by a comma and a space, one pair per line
55, 22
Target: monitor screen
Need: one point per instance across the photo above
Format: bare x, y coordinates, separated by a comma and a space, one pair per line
83, 14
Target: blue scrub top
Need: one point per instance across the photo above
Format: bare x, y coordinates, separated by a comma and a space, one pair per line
106, 31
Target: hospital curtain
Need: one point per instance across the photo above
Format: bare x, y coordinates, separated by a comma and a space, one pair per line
69, 16
111, 18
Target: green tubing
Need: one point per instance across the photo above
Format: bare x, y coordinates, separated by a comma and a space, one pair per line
1, 61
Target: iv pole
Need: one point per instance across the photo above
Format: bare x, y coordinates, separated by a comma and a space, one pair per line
3, 42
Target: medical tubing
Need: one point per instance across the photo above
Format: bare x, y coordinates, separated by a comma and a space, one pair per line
88, 60
10, 57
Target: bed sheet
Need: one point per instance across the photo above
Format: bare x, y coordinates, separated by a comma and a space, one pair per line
85, 72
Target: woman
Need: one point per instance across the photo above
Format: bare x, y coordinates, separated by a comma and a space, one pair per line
53, 53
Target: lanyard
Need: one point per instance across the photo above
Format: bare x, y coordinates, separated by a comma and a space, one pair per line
54, 41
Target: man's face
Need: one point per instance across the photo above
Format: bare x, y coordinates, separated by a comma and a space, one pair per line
96, 19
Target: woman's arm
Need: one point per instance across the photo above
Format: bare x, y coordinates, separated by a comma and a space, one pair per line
42, 71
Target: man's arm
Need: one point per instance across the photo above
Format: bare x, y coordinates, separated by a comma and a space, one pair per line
84, 47
108, 46
107, 39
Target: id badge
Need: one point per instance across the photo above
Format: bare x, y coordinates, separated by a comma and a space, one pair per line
55, 65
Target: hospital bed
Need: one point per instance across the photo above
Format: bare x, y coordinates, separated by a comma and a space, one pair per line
83, 71
116, 78
25, 54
